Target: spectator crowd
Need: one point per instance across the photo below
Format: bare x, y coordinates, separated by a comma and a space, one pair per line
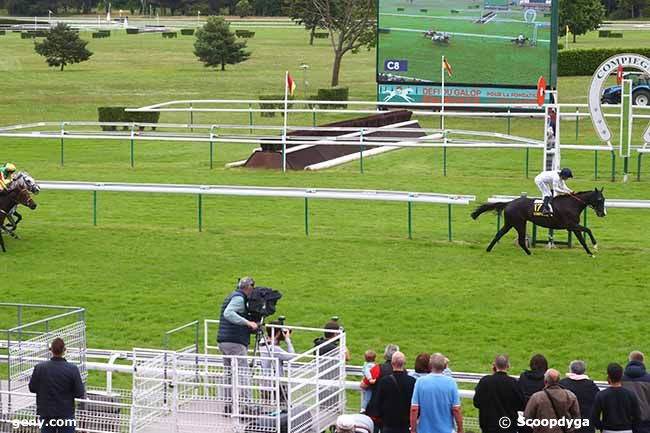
539, 401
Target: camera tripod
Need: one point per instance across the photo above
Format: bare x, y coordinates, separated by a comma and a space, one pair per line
262, 340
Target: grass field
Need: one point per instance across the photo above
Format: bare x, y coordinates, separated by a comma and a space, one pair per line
145, 269
471, 43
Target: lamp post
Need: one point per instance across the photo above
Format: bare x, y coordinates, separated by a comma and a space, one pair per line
198, 18
305, 83
49, 18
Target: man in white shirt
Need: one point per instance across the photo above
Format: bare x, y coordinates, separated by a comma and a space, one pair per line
552, 182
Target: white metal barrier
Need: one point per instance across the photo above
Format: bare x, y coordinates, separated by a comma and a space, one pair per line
609, 203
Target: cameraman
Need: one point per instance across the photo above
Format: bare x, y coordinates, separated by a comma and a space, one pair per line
234, 332
274, 350
234, 327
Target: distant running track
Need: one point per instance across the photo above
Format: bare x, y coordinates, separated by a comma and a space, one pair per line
470, 35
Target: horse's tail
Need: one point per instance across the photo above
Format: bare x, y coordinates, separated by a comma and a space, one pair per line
499, 206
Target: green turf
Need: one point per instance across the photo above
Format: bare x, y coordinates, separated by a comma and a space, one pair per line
145, 268
480, 53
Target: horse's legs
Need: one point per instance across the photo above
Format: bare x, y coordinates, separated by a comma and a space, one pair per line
588, 231
505, 229
521, 230
581, 238
17, 219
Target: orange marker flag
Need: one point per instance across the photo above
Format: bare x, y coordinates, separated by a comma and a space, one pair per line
291, 85
447, 66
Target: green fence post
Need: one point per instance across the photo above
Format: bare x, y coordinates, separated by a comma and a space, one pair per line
211, 154
200, 212
250, 118
613, 166
449, 220
132, 145
306, 216
211, 145
94, 208
409, 219
595, 165
62, 133
577, 123
191, 118
638, 168
509, 120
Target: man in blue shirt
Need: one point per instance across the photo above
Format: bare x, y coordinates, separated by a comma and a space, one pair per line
436, 401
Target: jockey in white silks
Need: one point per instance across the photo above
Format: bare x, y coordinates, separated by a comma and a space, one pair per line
550, 182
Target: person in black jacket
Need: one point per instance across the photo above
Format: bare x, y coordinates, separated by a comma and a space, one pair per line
616, 409
584, 388
394, 394
637, 380
532, 380
56, 384
498, 396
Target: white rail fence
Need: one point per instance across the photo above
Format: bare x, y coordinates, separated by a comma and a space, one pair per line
250, 191
445, 138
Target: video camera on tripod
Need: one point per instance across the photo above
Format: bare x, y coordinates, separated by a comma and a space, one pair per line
261, 303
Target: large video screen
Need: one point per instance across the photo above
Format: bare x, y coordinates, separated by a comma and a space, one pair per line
490, 44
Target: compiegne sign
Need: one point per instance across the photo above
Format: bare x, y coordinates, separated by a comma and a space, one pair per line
608, 67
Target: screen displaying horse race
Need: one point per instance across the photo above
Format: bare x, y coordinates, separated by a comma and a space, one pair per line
488, 43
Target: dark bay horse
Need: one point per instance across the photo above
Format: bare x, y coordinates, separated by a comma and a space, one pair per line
7, 202
566, 215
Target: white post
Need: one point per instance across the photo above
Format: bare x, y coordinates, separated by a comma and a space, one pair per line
442, 96
284, 128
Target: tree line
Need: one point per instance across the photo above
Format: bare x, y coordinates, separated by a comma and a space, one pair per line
143, 7
613, 9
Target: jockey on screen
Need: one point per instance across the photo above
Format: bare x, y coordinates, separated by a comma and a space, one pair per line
7, 172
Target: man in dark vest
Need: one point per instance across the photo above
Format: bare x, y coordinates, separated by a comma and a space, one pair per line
235, 329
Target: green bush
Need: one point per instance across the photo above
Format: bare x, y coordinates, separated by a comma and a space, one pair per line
273, 105
400, 9
384, 31
603, 33
117, 114
27, 35
2, 32
101, 34
244, 34
616, 35
585, 62
424, 10
560, 46
187, 32
334, 94
132, 31
169, 35
321, 35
